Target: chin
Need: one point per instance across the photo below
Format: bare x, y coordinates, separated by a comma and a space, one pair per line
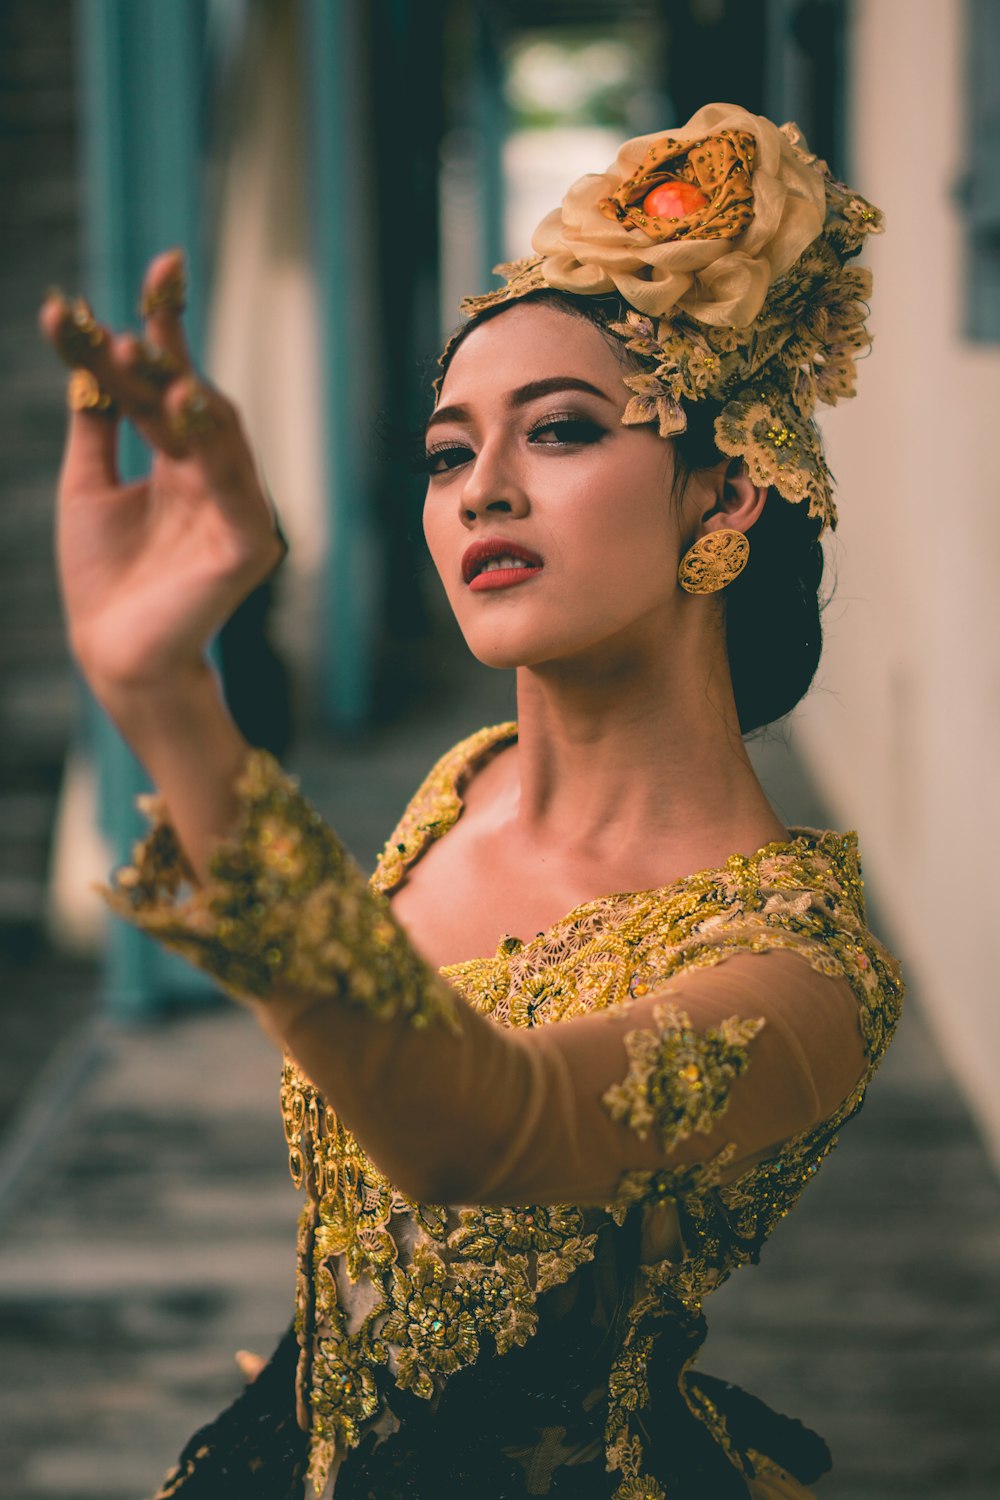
508, 650
502, 656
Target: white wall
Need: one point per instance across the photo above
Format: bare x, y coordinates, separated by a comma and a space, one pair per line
263, 344
903, 732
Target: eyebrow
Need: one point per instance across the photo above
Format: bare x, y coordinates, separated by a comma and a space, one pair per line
523, 395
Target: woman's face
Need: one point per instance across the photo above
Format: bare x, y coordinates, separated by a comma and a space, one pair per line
550, 523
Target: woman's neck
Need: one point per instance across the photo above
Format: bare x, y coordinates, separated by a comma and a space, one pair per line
634, 745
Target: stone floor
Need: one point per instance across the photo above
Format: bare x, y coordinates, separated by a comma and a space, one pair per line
146, 1226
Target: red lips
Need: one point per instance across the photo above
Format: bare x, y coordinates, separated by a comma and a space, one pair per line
475, 557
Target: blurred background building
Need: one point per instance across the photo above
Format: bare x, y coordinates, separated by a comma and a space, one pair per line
340, 172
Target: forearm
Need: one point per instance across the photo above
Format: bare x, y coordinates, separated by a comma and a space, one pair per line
184, 735
436, 1107
450, 1105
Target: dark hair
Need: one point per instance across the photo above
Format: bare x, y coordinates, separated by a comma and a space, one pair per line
774, 635
772, 610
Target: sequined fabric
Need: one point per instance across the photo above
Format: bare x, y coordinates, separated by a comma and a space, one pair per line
524, 1348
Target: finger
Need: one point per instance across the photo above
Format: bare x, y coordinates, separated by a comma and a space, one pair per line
149, 362
83, 343
164, 292
91, 447
206, 428
210, 430
109, 370
249, 1364
118, 370
135, 375
90, 457
71, 329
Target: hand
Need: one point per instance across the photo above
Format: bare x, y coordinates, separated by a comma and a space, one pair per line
150, 570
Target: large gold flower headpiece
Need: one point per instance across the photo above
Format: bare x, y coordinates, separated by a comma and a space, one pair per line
729, 242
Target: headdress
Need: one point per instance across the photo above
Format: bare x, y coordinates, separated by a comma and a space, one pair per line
730, 244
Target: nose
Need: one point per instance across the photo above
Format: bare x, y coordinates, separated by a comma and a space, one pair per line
492, 487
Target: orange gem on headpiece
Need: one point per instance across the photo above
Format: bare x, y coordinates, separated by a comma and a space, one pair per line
674, 200
689, 187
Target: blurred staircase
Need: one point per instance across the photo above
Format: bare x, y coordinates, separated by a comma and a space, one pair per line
40, 994
38, 194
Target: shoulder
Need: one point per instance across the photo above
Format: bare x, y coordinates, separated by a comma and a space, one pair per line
802, 897
437, 802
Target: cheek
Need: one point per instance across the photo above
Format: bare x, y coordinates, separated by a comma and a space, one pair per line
434, 531
630, 544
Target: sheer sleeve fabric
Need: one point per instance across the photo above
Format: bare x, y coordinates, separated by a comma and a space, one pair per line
731, 1061
724, 1064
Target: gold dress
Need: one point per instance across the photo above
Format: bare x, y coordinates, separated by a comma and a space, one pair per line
594, 1127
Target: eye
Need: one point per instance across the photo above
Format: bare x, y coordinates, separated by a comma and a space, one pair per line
447, 456
557, 432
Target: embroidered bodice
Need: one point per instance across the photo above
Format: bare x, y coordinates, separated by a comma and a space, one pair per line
397, 1297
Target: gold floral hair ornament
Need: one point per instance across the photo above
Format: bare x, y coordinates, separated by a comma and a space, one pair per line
729, 242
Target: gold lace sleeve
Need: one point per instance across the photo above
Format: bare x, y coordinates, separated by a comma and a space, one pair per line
284, 907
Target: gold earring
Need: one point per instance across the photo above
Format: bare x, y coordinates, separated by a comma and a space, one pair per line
713, 561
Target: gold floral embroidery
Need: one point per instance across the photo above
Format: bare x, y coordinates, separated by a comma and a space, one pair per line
655, 400
430, 1287
501, 1297
430, 1323
345, 1391
284, 905
677, 1182
779, 449
486, 1231
436, 804
638, 1488
628, 1388
679, 1078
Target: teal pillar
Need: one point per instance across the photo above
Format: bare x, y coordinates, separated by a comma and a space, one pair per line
491, 122
341, 155
141, 77
806, 73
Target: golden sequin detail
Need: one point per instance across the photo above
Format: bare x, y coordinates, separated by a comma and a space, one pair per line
679, 1078
396, 1293
284, 905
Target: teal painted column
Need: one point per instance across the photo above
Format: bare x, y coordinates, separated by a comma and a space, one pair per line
340, 145
141, 67
490, 115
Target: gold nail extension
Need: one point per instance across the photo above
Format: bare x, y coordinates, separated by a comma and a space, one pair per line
195, 420
81, 334
170, 296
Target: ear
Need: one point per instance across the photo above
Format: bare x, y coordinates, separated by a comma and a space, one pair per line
738, 502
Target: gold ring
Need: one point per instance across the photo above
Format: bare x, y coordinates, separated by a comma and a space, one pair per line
169, 297
155, 364
84, 394
195, 420
82, 334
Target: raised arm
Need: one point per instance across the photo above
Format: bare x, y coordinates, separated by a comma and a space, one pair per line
722, 1066
720, 1069
150, 570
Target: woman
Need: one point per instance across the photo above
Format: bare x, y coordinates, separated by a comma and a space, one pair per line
527, 1161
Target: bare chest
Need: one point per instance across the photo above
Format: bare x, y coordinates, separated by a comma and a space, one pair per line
486, 878
456, 908
466, 894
